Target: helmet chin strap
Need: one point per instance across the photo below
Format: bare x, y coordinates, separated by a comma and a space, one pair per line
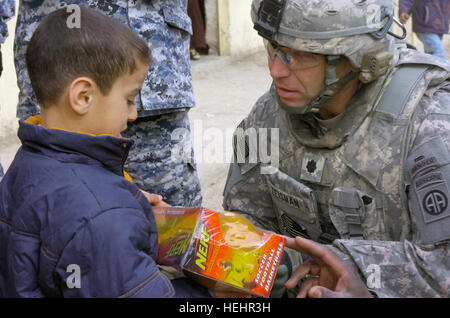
332, 85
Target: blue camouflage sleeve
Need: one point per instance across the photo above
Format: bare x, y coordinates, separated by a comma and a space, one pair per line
164, 25
6, 12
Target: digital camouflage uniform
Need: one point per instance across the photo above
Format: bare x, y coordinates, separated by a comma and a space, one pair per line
6, 12
373, 184
165, 98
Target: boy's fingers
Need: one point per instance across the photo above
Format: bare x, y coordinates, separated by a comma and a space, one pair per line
152, 198
161, 204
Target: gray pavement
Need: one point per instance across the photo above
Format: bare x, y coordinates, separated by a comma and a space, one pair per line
224, 95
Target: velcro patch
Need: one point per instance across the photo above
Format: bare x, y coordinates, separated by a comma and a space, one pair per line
429, 179
429, 200
422, 164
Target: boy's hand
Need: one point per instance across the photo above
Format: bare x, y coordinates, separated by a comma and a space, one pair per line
155, 199
331, 277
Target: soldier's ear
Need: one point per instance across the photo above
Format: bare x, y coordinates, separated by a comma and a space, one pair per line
82, 94
354, 68
345, 65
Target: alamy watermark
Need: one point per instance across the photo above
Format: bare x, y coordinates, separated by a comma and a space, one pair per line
374, 277
215, 145
74, 279
74, 19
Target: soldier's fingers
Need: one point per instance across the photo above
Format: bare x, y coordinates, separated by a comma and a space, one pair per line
322, 292
321, 254
299, 274
306, 286
290, 242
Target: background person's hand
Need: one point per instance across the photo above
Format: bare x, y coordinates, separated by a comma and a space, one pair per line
403, 17
328, 275
155, 199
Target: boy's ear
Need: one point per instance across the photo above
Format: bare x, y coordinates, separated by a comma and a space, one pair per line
81, 95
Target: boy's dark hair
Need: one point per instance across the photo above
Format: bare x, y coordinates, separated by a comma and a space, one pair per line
101, 48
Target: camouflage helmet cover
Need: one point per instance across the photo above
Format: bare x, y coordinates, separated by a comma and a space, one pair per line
352, 28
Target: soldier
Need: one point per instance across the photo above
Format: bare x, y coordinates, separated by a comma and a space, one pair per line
363, 133
158, 162
6, 12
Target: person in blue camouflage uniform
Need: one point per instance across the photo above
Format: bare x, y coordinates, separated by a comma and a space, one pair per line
6, 12
165, 98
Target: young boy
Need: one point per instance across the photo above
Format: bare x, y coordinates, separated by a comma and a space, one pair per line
71, 225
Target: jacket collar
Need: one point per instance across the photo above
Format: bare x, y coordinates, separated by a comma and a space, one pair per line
74, 147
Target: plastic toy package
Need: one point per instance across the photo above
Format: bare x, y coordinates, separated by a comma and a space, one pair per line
222, 250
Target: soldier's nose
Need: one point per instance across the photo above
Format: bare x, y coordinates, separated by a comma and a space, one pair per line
277, 68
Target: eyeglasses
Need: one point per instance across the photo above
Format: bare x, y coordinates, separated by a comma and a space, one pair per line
294, 60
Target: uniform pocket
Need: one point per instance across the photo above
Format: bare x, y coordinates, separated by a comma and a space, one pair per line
353, 213
295, 205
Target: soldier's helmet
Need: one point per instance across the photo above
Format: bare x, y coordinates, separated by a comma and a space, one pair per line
357, 29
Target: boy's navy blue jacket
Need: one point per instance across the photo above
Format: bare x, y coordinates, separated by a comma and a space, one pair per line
64, 200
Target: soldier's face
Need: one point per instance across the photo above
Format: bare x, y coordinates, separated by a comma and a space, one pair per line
298, 88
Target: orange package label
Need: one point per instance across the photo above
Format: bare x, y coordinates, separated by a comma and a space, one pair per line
223, 248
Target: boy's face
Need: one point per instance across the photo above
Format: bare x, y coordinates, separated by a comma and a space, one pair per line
111, 113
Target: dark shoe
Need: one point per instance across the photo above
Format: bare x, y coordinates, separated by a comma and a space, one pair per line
203, 50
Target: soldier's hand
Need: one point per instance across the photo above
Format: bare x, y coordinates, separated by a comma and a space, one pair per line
328, 276
403, 17
155, 199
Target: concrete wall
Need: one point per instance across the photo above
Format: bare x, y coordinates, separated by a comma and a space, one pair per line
229, 29
212, 36
8, 88
243, 38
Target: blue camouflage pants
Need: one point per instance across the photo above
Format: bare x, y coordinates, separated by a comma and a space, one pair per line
161, 160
